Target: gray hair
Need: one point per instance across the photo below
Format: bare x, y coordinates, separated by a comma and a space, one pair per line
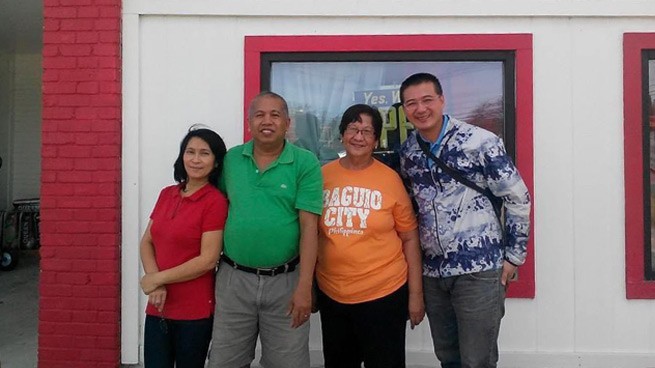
251, 108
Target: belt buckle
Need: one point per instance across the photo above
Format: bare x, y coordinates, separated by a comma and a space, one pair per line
265, 271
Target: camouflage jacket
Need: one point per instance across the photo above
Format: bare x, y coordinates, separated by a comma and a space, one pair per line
459, 231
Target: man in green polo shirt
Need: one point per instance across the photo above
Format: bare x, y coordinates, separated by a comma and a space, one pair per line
265, 276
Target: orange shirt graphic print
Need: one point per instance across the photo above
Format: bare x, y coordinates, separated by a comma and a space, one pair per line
346, 209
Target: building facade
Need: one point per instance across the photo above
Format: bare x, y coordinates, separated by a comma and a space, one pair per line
123, 81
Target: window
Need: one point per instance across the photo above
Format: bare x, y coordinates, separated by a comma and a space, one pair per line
649, 126
487, 80
639, 158
319, 87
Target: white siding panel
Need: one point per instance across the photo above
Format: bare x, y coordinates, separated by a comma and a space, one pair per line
597, 126
518, 329
553, 192
132, 223
409, 8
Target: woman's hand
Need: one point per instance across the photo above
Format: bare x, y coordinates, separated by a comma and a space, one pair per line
157, 298
150, 283
412, 253
416, 309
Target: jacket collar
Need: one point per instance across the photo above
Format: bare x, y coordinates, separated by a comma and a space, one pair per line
451, 127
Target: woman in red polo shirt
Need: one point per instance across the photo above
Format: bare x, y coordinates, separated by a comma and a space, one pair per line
179, 250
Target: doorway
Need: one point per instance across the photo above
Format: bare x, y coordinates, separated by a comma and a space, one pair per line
21, 45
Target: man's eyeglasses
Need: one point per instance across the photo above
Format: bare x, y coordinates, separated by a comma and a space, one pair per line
425, 101
366, 133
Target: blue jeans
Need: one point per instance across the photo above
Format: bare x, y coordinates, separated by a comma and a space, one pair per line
464, 314
176, 343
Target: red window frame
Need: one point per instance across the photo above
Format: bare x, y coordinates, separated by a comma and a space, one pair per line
637, 286
521, 44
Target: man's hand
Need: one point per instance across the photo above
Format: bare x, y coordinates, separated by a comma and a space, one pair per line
508, 272
416, 309
157, 298
300, 307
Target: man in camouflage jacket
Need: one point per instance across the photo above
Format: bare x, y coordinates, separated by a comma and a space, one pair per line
469, 255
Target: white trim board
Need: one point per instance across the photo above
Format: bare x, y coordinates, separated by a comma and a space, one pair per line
410, 8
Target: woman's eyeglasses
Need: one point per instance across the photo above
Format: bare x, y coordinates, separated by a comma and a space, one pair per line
366, 133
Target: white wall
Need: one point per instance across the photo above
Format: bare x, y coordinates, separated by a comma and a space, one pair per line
6, 101
20, 126
26, 160
185, 69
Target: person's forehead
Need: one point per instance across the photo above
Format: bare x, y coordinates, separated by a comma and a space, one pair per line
366, 120
268, 103
198, 141
422, 89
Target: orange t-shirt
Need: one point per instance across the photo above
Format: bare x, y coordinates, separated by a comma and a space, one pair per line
360, 255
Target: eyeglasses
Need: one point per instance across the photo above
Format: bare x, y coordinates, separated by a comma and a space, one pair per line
366, 133
425, 101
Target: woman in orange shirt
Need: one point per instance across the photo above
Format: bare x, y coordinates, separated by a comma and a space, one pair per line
369, 261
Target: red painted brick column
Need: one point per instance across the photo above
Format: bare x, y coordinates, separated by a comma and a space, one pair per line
79, 313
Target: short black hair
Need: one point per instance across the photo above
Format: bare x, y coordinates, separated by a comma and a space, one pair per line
419, 78
353, 114
216, 145
251, 108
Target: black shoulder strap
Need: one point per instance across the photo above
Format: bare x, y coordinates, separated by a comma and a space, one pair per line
455, 174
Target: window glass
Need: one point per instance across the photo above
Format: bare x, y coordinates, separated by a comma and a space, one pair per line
319, 92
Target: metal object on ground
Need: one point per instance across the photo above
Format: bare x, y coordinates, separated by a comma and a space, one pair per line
19, 229
9, 251
28, 222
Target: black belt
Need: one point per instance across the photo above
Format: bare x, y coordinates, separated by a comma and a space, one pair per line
287, 267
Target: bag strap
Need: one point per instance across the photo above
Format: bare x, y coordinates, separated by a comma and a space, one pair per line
455, 174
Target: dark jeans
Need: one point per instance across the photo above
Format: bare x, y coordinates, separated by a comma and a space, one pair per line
464, 313
371, 332
183, 344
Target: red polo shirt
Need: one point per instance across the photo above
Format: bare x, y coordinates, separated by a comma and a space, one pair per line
177, 227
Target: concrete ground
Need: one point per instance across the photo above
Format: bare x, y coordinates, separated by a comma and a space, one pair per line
19, 301
19, 305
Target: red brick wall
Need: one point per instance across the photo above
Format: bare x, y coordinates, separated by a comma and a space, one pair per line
79, 314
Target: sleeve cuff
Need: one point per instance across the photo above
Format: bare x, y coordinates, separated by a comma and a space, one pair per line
512, 263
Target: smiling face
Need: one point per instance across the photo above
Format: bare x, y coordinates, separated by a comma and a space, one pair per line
199, 160
268, 121
424, 108
359, 138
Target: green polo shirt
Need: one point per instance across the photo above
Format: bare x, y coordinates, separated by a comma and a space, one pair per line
262, 228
